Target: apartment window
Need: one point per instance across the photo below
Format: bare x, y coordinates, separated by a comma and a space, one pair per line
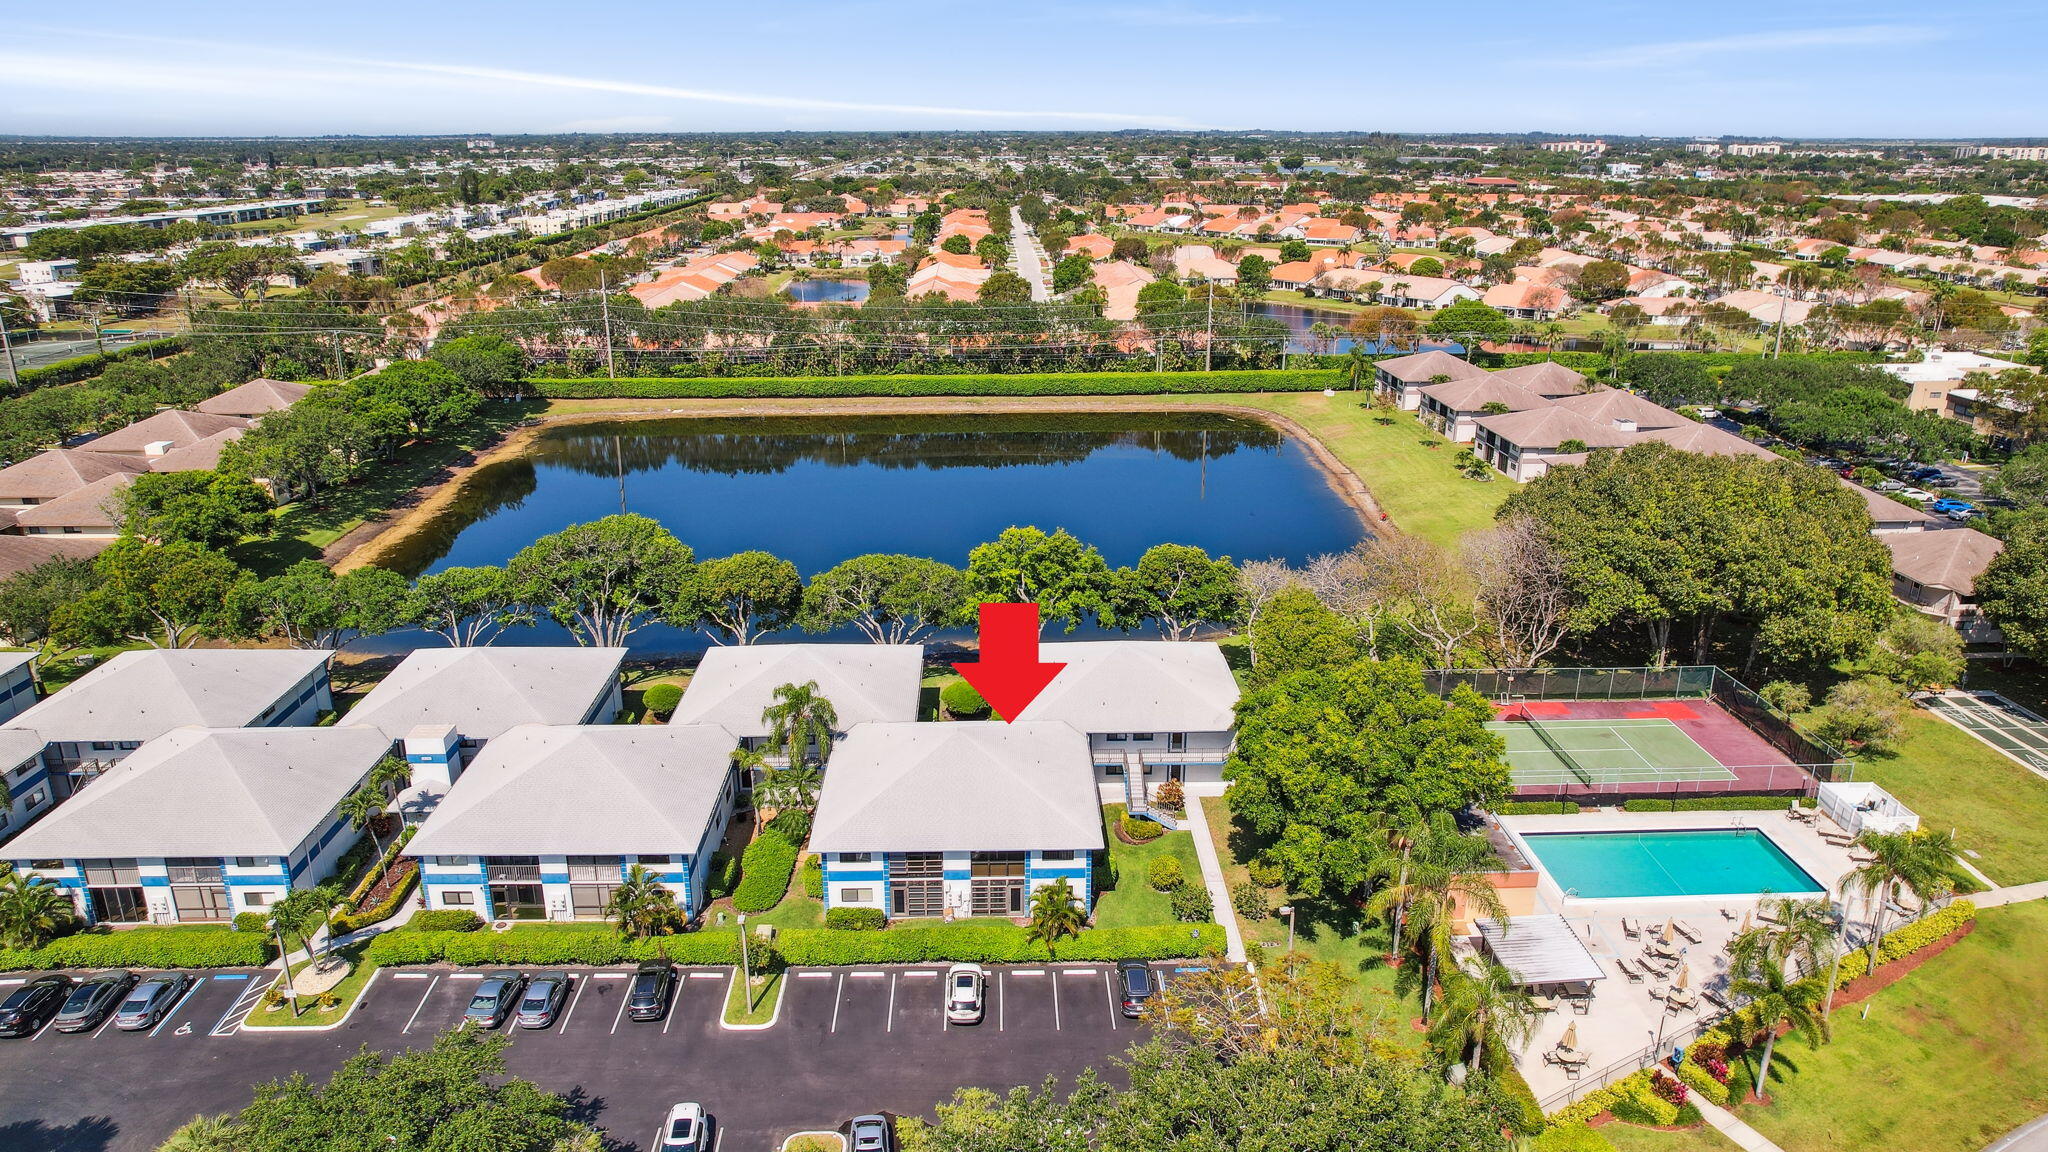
256, 899
38, 798
102, 745
856, 857
646, 859
245, 862
47, 865
592, 869
452, 899
1057, 855
1141, 735
1117, 737
451, 861
192, 870
856, 895
111, 873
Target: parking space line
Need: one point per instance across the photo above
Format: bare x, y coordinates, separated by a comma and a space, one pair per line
814, 975
422, 1004
1055, 1005
1027, 971
890, 1026
920, 973
1077, 971
108, 1022
707, 975
573, 1002
838, 994
1001, 1000
1109, 990
465, 975
608, 975
175, 1008
868, 975
411, 975
620, 1014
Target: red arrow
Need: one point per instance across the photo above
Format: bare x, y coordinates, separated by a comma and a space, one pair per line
1009, 675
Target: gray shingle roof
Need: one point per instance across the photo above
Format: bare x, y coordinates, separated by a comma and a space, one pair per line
1138, 686
1950, 558
255, 398
209, 792
142, 695
970, 786
486, 691
583, 790
17, 745
864, 682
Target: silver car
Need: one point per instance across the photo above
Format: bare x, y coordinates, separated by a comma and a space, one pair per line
544, 995
151, 1001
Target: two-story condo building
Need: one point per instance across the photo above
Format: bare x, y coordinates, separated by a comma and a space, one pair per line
957, 819
1151, 709
200, 824
29, 790
137, 696
17, 683
735, 685
443, 704
547, 819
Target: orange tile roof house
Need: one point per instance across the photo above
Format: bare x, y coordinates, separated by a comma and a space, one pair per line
969, 222
1121, 281
1527, 300
1094, 245
695, 280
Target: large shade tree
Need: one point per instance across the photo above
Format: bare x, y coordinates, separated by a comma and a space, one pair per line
606, 579
1068, 580
892, 599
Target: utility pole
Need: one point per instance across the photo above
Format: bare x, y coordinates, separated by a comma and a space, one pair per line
7, 346
604, 303
1209, 330
1778, 345
340, 373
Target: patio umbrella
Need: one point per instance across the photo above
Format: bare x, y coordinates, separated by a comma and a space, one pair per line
1684, 977
1571, 1036
1666, 937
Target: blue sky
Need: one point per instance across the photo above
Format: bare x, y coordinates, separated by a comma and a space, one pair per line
1750, 67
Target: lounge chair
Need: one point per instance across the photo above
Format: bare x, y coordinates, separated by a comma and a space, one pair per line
1685, 930
1627, 967
1838, 839
1630, 928
1763, 915
1543, 1003
1661, 950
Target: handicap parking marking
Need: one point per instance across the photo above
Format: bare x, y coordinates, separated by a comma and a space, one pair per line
175, 1008
237, 1012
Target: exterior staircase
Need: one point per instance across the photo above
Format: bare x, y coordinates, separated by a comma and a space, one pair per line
1138, 795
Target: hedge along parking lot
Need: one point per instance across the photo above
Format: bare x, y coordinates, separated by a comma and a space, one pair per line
965, 384
151, 946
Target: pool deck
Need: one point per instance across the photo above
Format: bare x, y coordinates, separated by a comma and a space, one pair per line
1625, 1018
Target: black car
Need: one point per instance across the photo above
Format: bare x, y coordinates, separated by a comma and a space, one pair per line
94, 997
30, 1006
1135, 984
647, 997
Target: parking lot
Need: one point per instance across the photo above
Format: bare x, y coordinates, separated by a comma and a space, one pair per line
844, 1042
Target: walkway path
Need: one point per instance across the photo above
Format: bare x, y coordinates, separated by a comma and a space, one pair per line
1741, 1134
2029, 1137
2011, 894
1028, 259
1212, 876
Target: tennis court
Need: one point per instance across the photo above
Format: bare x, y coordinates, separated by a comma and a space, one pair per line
1551, 752
1997, 721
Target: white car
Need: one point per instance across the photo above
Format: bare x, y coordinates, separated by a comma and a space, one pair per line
1891, 486
965, 986
688, 1129
1919, 494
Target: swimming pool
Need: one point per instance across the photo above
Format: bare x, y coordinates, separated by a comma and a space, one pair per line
1710, 862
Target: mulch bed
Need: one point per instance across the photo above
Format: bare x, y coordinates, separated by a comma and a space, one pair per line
1887, 974
397, 874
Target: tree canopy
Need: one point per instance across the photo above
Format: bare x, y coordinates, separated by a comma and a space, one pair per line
605, 579
1068, 580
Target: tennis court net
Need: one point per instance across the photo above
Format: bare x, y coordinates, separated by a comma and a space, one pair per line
1563, 756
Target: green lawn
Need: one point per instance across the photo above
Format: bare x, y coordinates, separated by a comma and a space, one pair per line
303, 530
345, 994
1133, 902
1945, 1060
1337, 936
1629, 1138
1997, 808
1407, 467
755, 1008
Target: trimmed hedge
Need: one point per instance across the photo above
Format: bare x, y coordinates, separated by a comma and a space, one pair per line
1701, 1081
1142, 830
661, 699
386, 908
963, 700
1165, 874
1585, 1108
992, 943
966, 384
1717, 804
445, 920
1571, 1138
592, 944
93, 363
152, 946
764, 872
856, 919
251, 922
1537, 808
725, 876
814, 878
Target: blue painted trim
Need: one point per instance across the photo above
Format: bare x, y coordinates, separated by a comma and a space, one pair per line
254, 880
863, 872
41, 776
554, 877
153, 881
962, 874
452, 878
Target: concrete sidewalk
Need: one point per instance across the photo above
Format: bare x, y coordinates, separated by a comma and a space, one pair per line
1212, 873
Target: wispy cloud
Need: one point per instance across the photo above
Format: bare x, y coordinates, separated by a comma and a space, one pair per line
231, 74
1666, 53
1175, 16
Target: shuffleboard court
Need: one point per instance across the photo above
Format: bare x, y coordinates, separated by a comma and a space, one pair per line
1554, 752
1997, 721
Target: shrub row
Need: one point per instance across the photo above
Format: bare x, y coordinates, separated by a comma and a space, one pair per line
386, 908
1537, 808
764, 872
93, 363
993, 943
856, 919
1701, 1081
976, 384
445, 920
372, 875
814, 878
155, 946
1593, 1103
593, 944
1718, 804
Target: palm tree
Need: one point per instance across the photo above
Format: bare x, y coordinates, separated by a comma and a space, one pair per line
1483, 1010
31, 910
1800, 932
390, 775
642, 905
297, 914
798, 718
1775, 1000
1443, 871
793, 787
361, 809
1921, 862
1055, 914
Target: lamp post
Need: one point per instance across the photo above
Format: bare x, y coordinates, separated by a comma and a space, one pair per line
1288, 911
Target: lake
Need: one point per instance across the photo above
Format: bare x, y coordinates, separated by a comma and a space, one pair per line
827, 291
1299, 319
819, 491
